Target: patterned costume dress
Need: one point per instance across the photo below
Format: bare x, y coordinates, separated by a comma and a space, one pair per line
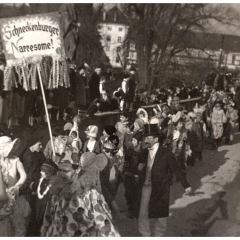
218, 118
76, 212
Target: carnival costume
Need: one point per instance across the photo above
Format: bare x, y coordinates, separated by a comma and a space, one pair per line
77, 208
14, 209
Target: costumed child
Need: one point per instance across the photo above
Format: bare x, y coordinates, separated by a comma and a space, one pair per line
133, 176
179, 140
122, 127
142, 114
138, 126
218, 119
77, 208
232, 118
92, 144
14, 209
200, 128
41, 187
110, 176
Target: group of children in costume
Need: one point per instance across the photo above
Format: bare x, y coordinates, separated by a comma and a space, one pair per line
74, 190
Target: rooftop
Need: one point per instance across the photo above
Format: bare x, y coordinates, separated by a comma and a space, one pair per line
113, 15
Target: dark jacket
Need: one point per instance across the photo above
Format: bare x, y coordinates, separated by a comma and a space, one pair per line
94, 86
164, 163
96, 149
32, 162
79, 91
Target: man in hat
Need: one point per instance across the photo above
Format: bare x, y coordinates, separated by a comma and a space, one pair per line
156, 162
131, 88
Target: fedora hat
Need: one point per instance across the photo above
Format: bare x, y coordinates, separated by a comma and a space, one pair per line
92, 131
8, 146
151, 130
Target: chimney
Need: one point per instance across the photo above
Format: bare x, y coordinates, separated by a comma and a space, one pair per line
115, 16
104, 15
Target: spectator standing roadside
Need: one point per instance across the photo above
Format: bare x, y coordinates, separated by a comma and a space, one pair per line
94, 84
79, 91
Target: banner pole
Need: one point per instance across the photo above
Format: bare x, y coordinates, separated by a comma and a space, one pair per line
46, 110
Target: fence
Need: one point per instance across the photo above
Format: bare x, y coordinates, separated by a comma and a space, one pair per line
111, 118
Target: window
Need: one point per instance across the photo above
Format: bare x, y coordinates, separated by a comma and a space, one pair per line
109, 38
118, 49
117, 59
132, 46
109, 28
120, 29
108, 48
236, 60
119, 39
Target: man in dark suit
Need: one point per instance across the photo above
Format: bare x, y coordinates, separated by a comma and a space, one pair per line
94, 84
79, 85
159, 162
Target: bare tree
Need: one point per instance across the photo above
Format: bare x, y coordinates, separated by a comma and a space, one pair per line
159, 32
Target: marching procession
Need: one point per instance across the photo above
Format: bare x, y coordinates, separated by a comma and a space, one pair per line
68, 186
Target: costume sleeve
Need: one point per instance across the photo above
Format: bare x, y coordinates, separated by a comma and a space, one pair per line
102, 216
172, 162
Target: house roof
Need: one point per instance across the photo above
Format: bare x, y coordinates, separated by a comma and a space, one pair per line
113, 15
212, 41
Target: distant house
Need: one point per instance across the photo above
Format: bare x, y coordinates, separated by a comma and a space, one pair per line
223, 50
113, 28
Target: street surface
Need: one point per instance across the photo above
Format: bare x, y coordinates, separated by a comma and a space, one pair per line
215, 183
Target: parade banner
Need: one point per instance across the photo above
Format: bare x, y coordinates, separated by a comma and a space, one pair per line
34, 49
30, 36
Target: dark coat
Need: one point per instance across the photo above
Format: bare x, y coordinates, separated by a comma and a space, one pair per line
32, 163
96, 149
94, 86
79, 92
164, 163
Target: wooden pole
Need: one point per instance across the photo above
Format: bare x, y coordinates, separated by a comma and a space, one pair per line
46, 110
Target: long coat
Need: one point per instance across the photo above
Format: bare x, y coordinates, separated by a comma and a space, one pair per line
164, 163
94, 86
79, 94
